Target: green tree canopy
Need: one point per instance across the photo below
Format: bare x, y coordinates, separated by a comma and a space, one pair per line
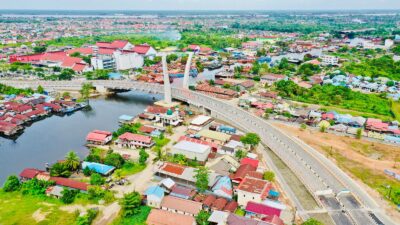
131, 204
202, 178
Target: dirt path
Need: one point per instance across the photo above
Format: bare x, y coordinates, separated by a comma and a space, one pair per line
109, 213
39, 216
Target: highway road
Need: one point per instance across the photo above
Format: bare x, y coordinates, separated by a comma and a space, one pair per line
346, 201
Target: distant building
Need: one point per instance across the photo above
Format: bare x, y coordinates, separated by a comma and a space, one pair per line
329, 60
129, 140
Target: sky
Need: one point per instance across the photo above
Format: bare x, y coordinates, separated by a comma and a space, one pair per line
200, 4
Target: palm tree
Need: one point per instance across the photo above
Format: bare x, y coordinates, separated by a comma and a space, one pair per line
72, 161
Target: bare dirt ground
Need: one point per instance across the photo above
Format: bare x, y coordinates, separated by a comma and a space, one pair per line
39, 216
371, 155
376, 156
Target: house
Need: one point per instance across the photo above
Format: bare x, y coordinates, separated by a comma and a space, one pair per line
252, 189
181, 206
29, 173
259, 210
218, 217
214, 137
199, 122
98, 168
231, 147
329, 60
129, 140
145, 50
181, 174
234, 219
249, 161
162, 217
243, 171
99, 137
245, 85
154, 196
191, 150
271, 78
223, 187
183, 192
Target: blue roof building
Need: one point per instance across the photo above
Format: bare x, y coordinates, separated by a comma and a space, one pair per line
98, 167
155, 195
223, 187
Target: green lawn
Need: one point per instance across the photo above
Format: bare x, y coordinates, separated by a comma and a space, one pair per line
357, 113
139, 219
396, 110
130, 168
16, 208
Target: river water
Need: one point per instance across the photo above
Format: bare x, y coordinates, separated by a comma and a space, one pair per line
50, 139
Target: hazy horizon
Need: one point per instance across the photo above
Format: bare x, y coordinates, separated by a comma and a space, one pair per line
199, 5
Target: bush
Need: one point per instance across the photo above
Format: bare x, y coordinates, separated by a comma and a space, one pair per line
88, 218
131, 203
87, 172
143, 156
60, 170
68, 195
97, 179
35, 186
114, 159
12, 184
269, 175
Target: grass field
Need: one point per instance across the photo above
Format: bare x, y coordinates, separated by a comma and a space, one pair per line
16, 209
396, 110
374, 179
139, 219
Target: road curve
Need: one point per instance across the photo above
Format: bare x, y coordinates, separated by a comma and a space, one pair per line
318, 173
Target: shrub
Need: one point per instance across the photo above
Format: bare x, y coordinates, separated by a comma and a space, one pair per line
68, 195
114, 159
12, 184
97, 179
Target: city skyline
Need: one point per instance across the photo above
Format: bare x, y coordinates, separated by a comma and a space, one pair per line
200, 5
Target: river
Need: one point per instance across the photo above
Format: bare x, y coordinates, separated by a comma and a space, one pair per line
50, 139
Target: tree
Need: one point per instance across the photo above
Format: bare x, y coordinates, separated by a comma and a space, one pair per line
114, 159
39, 49
202, 178
312, 221
202, 218
68, 195
169, 130
66, 74
131, 204
269, 175
322, 129
72, 161
40, 89
60, 170
359, 133
240, 154
97, 179
85, 90
87, 172
303, 126
12, 184
251, 139
143, 156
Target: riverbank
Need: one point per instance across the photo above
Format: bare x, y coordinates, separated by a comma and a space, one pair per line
50, 139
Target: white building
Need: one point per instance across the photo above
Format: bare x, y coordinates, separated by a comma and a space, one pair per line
389, 43
102, 62
192, 150
330, 60
252, 189
128, 60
